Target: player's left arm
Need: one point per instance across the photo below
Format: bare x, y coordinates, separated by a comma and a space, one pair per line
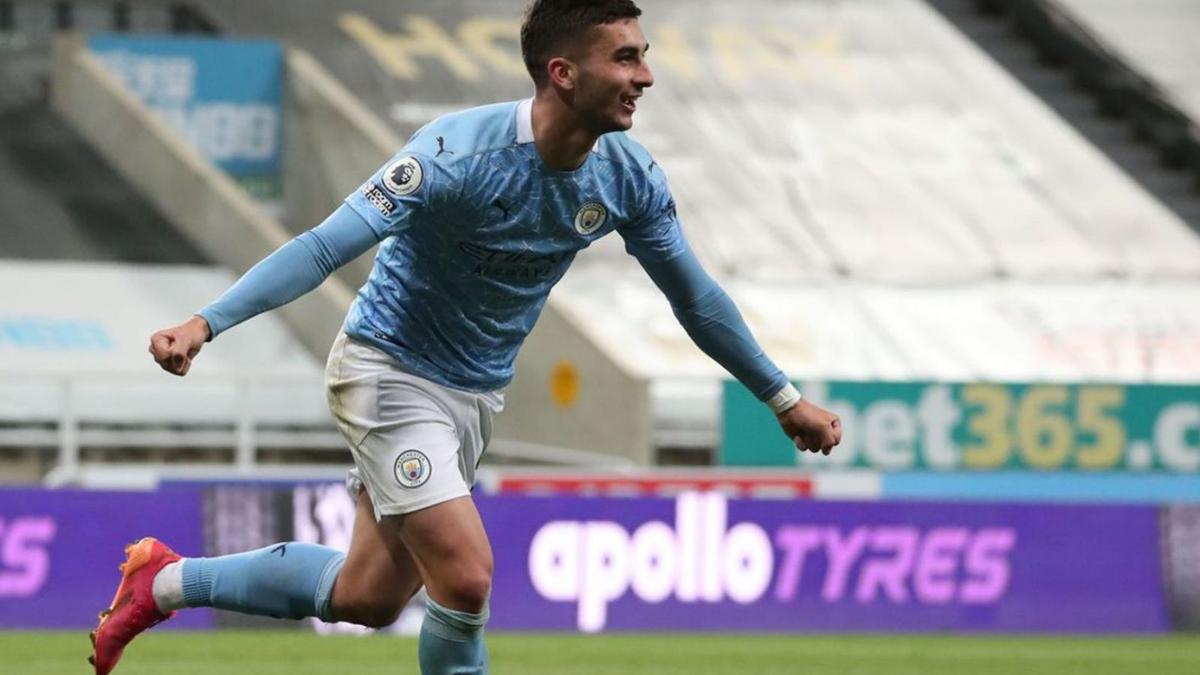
712, 320
714, 323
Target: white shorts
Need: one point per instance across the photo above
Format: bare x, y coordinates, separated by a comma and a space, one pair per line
415, 443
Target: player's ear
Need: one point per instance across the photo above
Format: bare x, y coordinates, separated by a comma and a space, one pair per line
562, 72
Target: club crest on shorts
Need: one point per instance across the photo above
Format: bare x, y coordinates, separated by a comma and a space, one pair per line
403, 176
590, 217
412, 469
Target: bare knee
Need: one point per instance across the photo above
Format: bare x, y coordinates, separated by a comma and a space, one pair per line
468, 588
450, 545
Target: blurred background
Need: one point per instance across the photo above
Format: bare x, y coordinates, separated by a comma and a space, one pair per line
969, 227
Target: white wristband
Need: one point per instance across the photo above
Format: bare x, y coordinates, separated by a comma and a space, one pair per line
784, 399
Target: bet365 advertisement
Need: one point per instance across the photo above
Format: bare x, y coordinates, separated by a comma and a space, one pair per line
982, 427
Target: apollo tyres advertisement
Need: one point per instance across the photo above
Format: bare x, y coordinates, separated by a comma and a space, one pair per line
698, 562
704, 562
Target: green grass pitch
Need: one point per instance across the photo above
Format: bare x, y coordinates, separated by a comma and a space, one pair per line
288, 653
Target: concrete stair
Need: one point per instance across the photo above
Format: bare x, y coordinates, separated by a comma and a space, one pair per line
1176, 189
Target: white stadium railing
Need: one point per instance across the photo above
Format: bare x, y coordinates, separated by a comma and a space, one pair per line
112, 412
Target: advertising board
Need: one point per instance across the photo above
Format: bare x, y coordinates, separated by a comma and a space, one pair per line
224, 96
981, 427
60, 549
704, 562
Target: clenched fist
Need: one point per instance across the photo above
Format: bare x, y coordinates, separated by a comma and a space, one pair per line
174, 348
810, 427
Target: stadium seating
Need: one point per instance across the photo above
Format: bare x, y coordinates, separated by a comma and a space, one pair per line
882, 200
906, 211
76, 375
1156, 37
1003, 318
848, 115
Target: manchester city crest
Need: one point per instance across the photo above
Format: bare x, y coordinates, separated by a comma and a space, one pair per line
590, 217
412, 469
403, 176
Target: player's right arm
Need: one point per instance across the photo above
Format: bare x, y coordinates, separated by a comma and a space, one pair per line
410, 185
292, 270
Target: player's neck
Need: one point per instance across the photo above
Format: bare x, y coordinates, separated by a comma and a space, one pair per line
561, 141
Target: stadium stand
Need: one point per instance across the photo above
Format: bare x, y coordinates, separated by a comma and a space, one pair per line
817, 164
100, 267
76, 387
904, 208
1116, 72
963, 223
1157, 37
61, 200
898, 155
928, 224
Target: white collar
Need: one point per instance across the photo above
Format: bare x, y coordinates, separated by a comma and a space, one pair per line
525, 124
525, 121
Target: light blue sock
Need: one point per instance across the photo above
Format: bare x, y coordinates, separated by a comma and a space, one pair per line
451, 642
286, 581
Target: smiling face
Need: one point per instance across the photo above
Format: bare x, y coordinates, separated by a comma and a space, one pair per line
611, 76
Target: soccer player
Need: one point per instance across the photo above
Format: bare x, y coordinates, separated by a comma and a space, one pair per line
478, 215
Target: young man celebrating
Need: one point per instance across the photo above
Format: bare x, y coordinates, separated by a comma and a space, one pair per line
479, 215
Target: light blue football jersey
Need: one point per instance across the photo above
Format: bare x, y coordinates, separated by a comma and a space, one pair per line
476, 230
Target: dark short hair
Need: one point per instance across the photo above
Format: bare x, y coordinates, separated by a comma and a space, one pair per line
553, 26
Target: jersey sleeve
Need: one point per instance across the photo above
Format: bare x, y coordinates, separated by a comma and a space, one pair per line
714, 323
294, 269
410, 185
656, 235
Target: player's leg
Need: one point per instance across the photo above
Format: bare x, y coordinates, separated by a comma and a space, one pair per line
379, 577
415, 446
369, 586
426, 511
290, 580
133, 609
455, 559
287, 580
